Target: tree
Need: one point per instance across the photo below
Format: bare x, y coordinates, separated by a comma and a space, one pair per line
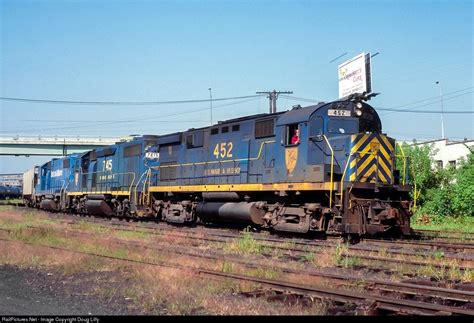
463, 191
438, 192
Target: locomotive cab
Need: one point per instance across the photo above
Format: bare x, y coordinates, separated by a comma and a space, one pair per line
341, 146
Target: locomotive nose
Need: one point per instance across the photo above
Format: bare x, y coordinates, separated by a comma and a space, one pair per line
371, 158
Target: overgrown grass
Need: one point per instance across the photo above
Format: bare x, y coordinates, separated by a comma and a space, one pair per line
245, 245
341, 258
132, 234
15, 201
41, 236
459, 224
154, 290
87, 226
446, 272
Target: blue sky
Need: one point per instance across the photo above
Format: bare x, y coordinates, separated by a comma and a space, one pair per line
176, 50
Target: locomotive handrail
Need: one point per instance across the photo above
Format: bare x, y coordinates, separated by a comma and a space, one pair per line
352, 153
404, 162
332, 170
113, 174
364, 153
147, 172
344, 174
219, 161
136, 186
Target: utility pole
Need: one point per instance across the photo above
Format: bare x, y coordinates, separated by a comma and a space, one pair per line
442, 116
273, 96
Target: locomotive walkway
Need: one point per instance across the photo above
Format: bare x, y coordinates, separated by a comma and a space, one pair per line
51, 145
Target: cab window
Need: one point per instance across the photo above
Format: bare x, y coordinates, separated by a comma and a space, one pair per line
343, 126
292, 135
316, 127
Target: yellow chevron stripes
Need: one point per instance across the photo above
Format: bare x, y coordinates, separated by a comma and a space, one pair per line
371, 158
367, 174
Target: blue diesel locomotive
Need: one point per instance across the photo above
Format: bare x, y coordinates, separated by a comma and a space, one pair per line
326, 168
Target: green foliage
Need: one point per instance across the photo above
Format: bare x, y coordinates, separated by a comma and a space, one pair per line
463, 190
438, 192
245, 245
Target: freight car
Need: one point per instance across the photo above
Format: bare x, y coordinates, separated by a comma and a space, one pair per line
327, 167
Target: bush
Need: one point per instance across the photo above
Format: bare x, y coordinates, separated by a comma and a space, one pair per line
463, 190
439, 192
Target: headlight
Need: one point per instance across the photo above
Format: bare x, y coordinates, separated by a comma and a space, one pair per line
359, 105
358, 112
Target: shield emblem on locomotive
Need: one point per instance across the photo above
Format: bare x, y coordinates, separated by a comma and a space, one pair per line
291, 157
374, 147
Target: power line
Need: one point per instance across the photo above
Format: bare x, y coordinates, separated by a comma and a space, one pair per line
128, 120
446, 97
422, 105
399, 106
343, 54
427, 111
292, 97
28, 100
434, 97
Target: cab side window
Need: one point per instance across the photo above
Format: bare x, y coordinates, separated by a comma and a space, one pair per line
292, 135
316, 127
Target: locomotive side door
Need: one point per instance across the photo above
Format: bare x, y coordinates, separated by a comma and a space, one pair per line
316, 150
290, 159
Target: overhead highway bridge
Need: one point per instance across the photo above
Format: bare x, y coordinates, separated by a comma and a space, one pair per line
51, 145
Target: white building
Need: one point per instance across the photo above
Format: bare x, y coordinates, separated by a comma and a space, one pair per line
449, 152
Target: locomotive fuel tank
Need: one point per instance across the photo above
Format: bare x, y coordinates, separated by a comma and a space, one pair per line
241, 212
96, 204
49, 205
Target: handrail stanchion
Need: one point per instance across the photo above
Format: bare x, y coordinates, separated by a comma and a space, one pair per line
404, 162
332, 170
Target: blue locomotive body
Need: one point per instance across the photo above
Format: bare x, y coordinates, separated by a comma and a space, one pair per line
112, 180
53, 182
326, 167
310, 168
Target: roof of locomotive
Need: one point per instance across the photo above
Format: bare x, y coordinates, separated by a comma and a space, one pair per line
299, 114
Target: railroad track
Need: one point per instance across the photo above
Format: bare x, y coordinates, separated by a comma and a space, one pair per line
377, 302
299, 241
216, 256
421, 237
300, 247
298, 251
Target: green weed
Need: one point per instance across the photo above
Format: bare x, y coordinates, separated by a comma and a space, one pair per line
245, 245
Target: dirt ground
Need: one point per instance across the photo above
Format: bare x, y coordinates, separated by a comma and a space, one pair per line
31, 292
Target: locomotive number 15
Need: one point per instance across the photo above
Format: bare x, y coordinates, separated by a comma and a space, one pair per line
223, 150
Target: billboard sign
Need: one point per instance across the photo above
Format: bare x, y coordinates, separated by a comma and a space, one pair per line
355, 76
